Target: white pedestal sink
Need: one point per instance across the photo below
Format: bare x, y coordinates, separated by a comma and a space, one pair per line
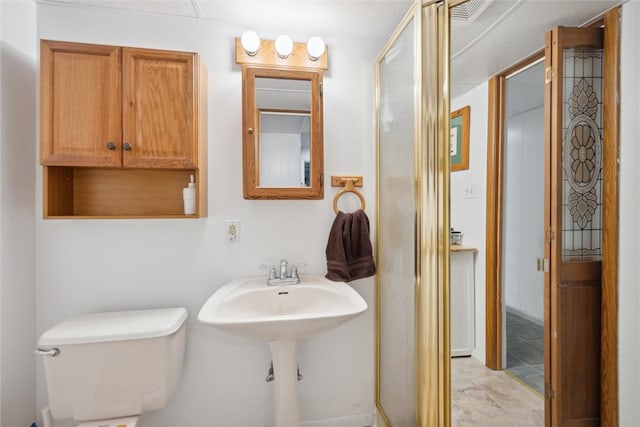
282, 315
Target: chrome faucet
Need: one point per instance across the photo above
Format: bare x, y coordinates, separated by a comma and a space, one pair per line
284, 278
283, 269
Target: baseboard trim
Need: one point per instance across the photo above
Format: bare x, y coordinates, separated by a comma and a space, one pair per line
359, 420
525, 315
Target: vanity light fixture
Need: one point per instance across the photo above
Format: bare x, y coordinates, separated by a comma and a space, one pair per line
250, 42
281, 52
284, 46
315, 48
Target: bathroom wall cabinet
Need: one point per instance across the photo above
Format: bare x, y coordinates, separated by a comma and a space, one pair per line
121, 130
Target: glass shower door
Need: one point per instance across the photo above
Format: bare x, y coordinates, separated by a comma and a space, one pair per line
396, 71
412, 228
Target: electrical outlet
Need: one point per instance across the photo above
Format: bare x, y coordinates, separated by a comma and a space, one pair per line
232, 230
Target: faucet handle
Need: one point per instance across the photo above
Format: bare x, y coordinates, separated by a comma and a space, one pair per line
294, 272
271, 268
302, 265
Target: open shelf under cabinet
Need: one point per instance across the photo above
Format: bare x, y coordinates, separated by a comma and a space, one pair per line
83, 193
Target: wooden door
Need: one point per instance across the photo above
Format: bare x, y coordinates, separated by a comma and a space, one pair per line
573, 218
80, 104
160, 128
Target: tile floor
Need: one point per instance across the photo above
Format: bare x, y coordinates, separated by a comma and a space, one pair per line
525, 350
481, 397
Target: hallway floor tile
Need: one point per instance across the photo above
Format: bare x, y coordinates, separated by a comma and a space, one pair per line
525, 351
481, 397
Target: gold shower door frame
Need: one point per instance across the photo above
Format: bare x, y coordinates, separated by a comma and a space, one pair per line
431, 204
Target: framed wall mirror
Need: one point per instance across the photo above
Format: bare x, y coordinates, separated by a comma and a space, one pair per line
282, 141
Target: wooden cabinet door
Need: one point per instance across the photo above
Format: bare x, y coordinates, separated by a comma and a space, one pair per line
159, 120
575, 83
80, 104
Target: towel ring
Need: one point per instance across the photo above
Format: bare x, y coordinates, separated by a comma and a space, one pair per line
348, 188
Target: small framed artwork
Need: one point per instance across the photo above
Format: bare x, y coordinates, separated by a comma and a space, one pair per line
459, 139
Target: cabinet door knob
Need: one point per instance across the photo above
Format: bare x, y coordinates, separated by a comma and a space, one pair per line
250, 131
126, 146
111, 145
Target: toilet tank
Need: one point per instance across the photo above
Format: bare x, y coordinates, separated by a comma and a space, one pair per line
114, 364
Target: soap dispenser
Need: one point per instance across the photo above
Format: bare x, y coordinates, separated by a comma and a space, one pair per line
189, 197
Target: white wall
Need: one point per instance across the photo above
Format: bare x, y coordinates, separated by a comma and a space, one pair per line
629, 267
468, 212
85, 266
523, 220
17, 199
1, 204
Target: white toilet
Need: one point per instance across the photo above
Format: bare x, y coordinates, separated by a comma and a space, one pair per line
105, 369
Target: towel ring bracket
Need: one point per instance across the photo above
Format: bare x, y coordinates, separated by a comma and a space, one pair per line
349, 183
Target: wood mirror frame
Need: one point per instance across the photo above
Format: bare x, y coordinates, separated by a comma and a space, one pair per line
251, 135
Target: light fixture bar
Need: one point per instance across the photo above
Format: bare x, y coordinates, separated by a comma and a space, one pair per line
267, 55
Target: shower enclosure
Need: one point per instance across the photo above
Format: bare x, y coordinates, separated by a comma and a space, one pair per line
412, 307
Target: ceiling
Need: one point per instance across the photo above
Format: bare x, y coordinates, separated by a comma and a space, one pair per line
509, 31
502, 33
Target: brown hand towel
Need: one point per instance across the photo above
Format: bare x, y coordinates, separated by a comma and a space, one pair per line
349, 251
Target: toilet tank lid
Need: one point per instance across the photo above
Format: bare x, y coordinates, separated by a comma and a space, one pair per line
115, 326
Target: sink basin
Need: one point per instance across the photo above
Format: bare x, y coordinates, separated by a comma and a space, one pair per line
250, 308
282, 315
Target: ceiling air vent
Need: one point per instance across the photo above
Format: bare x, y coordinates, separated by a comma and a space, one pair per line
470, 10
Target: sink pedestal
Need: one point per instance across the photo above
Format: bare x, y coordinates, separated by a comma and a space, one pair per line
282, 315
285, 370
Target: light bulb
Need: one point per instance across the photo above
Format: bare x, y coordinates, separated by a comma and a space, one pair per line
284, 46
250, 42
315, 48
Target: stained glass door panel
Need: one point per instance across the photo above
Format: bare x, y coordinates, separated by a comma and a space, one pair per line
573, 102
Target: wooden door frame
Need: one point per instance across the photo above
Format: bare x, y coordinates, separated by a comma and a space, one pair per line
494, 241
494, 238
611, 171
